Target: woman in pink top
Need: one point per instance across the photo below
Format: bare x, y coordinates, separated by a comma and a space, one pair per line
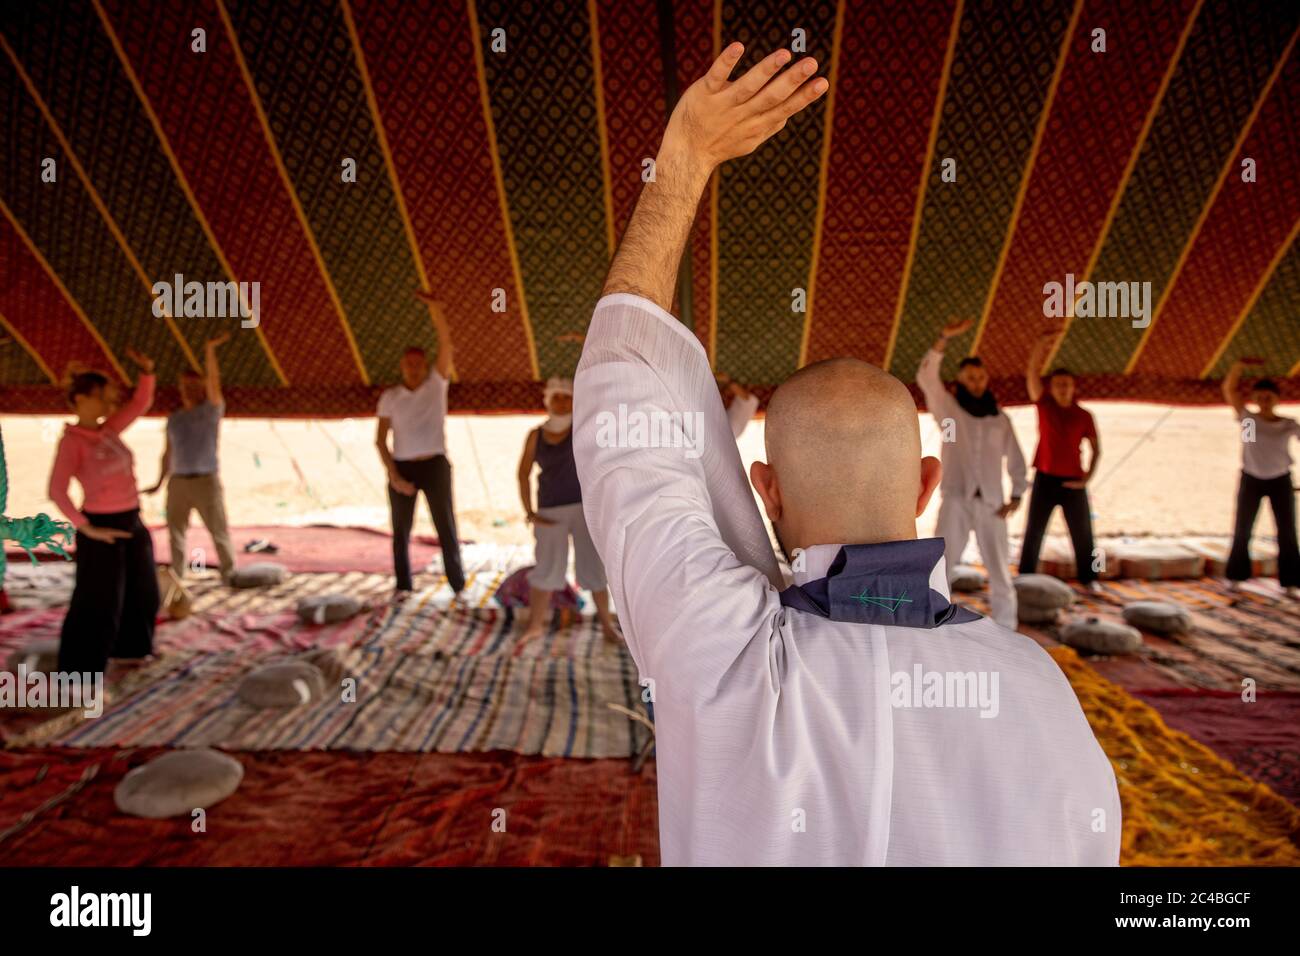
116, 595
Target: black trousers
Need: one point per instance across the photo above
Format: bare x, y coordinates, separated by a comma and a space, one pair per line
1281, 497
115, 600
433, 477
1048, 492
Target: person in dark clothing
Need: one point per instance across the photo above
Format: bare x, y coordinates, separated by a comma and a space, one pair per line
115, 599
414, 412
1060, 477
558, 516
1265, 473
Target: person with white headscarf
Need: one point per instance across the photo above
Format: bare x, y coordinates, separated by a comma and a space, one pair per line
741, 404
558, 516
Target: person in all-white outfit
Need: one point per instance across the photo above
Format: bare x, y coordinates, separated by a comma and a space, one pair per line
858, 716
978, 443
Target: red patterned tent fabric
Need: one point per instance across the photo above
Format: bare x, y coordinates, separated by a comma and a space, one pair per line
970, 152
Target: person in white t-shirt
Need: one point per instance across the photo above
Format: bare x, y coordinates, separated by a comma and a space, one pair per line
1265, 473
741, 404
414, 411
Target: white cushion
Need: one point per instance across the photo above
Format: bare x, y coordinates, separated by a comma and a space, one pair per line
1032, 614
283, 684
1158, 616
1102, 637
1157, 560
967, 578
39, 656
1043, 591
178, 783
328, 608
258, 575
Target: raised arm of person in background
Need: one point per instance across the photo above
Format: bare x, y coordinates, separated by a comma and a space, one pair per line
211, 371
1034, 365
938, 401
444, 366
667, 519
141, 399
1232, 384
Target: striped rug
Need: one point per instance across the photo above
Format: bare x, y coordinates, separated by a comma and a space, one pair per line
418, 677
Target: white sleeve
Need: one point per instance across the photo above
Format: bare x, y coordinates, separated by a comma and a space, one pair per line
740, 411
1015, 459
927, 379
384, 410
690, 566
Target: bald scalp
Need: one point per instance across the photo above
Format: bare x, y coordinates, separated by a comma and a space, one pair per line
843, 439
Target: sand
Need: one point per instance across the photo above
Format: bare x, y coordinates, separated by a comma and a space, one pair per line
1165, 470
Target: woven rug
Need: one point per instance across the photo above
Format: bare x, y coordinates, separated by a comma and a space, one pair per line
1255, 634
336, 809
1183, 804
424, 678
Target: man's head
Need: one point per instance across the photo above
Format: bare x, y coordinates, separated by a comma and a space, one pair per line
973, 376
1061, 386
192, 389
844, 461
1266, 395
414, 366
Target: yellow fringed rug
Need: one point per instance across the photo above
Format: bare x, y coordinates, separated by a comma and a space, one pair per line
1183, 804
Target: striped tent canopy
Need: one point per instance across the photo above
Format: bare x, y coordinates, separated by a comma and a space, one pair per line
970, 152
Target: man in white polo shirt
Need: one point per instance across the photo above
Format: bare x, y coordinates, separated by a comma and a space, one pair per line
856, 717
414, 412
978, 442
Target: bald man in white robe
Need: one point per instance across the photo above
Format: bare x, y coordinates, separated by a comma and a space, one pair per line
856, 717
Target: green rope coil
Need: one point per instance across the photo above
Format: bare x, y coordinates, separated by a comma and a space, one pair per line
28, 533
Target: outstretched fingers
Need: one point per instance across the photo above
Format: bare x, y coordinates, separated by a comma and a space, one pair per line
787, 86
720, 71
749, 85
803, 96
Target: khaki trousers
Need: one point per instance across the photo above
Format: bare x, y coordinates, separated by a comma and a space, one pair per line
204, 495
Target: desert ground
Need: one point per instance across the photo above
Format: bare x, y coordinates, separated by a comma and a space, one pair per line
1165, 470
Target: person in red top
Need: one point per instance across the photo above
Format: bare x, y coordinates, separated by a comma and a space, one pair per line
1060, 477
115, 599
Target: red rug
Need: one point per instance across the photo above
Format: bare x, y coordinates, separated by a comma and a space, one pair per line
307, 548
1262, 738
310, 548
337, 809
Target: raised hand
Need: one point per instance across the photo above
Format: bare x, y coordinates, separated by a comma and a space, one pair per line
145, 363
718, 118
958, 327
218, 340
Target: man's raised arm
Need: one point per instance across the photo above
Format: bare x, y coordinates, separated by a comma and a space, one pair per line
663, 488
716, 119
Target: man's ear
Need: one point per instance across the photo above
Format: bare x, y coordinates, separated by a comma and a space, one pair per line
931, 472
763, 477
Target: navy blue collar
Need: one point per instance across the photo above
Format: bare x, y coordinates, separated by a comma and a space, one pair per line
887, 583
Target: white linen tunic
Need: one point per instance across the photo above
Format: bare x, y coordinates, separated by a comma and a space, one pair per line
778, 738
